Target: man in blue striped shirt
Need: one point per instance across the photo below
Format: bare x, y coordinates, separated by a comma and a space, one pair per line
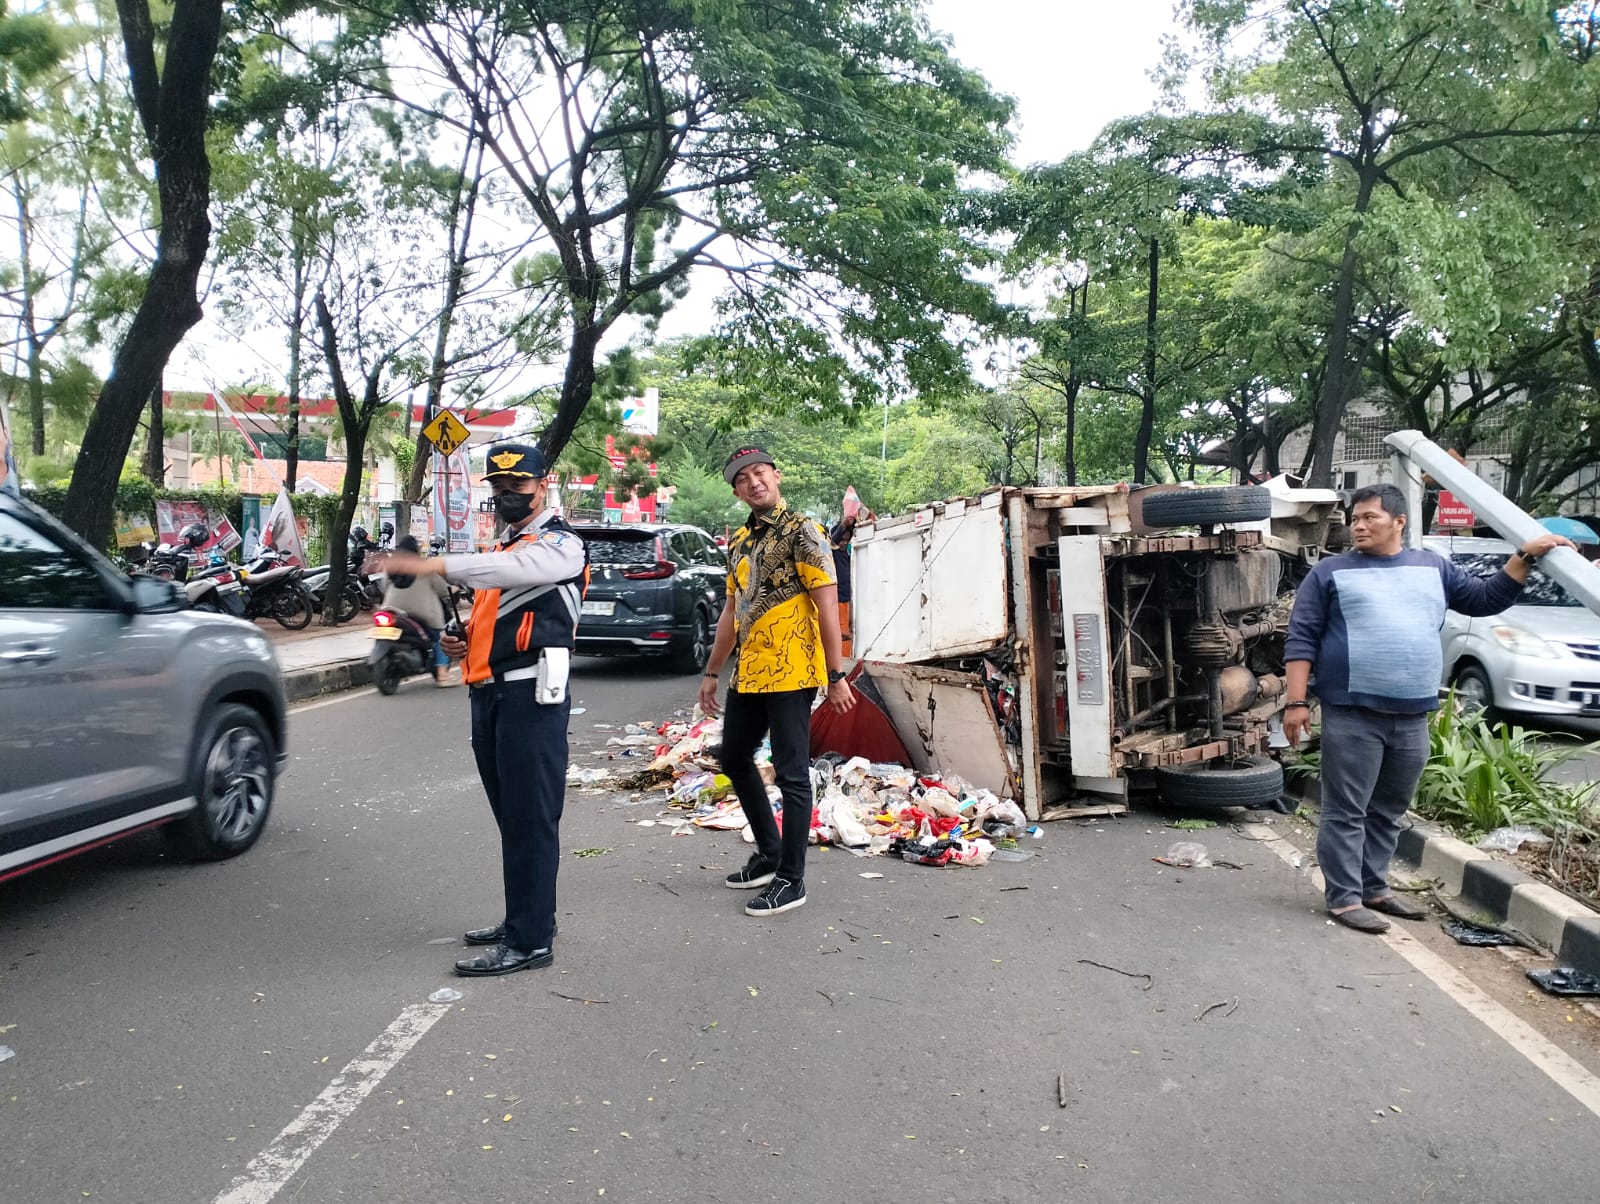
1366, 623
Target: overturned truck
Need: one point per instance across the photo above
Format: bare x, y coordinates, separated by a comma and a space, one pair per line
1063, 647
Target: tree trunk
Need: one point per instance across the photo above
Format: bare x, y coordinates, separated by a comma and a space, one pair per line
577, 386
155, 449
35, 387
1340, 381
1072, 431
291, 449
1147, 416
172, 108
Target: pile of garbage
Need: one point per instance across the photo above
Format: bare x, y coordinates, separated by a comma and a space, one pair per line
866, 808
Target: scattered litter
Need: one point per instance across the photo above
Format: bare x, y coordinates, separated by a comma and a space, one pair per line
1193, 825
1148, 980
1509, 840
1061, 1090
868, 808
872, 875
445, 995
7, 1053
1232, 1006
1564, 980
577, 998
1465, 933
645, 823
590, 852
1186, 854
1003, 889
587, 777
579, 711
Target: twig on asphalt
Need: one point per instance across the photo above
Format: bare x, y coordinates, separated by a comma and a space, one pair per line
1149, 981
1003, 889
668, 889
826, 996
1061, 1090
1224, 1004
578, 998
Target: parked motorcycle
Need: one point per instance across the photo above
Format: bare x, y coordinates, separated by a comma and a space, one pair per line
400, 649
275, 590
316, 580
219, 592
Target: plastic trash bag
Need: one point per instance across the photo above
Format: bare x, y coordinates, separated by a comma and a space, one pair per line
1188, 854
1564, 980
1509, 840
1471, 934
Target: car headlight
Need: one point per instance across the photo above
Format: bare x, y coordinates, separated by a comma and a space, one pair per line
1522, 643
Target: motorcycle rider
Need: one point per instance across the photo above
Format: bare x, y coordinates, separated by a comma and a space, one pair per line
425, 599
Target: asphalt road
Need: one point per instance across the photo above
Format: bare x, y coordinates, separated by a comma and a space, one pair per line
903, 1035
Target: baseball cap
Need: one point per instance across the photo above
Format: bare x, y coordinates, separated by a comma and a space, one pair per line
514, 460
743, 458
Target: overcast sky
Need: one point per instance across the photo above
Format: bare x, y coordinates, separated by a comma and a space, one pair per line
1071, 65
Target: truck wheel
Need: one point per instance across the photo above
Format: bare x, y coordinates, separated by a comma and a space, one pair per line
232, 780
1198, 507
1230, 782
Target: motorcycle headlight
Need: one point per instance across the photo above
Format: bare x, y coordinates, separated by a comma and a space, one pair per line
1522, 643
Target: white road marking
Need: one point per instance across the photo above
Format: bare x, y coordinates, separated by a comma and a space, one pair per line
328, 702
276, 1165
1561, 1068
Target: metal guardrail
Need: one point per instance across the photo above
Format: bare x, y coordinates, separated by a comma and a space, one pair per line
1412, 451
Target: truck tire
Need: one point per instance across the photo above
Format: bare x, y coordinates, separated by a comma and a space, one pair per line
1199, 507
1254, 782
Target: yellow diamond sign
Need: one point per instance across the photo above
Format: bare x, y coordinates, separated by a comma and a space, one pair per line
446, 432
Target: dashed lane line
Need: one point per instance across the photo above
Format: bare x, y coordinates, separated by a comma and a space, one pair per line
269, 1170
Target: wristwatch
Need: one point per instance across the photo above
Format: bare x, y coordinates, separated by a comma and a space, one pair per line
835, 675
1526, 559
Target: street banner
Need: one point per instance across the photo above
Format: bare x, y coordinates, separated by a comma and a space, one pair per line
280, 531
9, 481
251, 518
452, 500
1453, 514
134, 529
172, 517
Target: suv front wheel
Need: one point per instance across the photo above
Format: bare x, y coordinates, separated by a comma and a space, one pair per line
232, 781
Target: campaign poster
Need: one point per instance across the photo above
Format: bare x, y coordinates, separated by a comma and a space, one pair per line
173, 517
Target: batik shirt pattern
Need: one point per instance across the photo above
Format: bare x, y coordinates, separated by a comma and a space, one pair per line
773, 561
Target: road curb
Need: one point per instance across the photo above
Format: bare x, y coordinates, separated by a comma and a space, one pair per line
299, 685
1505, 894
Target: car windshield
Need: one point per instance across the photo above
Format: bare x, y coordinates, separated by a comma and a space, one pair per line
612, 549
1540, 590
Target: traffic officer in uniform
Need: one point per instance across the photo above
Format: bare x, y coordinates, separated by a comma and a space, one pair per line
518, 648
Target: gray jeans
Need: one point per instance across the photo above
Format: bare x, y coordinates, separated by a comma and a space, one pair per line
1371, 763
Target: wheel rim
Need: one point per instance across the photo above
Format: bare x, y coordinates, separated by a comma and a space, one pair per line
702, 640
237, 781
1472, 692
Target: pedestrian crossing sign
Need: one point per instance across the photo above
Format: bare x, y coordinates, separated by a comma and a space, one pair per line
446, 432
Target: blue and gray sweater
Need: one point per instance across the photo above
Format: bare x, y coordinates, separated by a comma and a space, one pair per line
1369, 625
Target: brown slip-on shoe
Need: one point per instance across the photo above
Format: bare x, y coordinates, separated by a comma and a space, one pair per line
1361, 920
1394, 905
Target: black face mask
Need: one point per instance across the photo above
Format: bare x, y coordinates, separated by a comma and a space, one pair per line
512, 508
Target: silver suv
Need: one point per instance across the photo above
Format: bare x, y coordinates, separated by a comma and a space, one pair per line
120, 710
1540, 657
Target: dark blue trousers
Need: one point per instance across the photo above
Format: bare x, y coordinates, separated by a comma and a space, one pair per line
521, 750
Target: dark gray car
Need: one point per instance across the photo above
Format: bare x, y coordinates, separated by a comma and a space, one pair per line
655, 589
120, 710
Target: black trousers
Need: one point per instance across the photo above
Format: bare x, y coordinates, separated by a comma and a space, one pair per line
747, 718
521, 750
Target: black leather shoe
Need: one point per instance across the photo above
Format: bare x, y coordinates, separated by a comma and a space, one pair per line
503, 959
485, 936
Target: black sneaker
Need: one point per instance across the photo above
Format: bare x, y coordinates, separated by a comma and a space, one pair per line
756, 873
782, 895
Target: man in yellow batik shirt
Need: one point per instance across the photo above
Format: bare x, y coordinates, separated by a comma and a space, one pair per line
783, 613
